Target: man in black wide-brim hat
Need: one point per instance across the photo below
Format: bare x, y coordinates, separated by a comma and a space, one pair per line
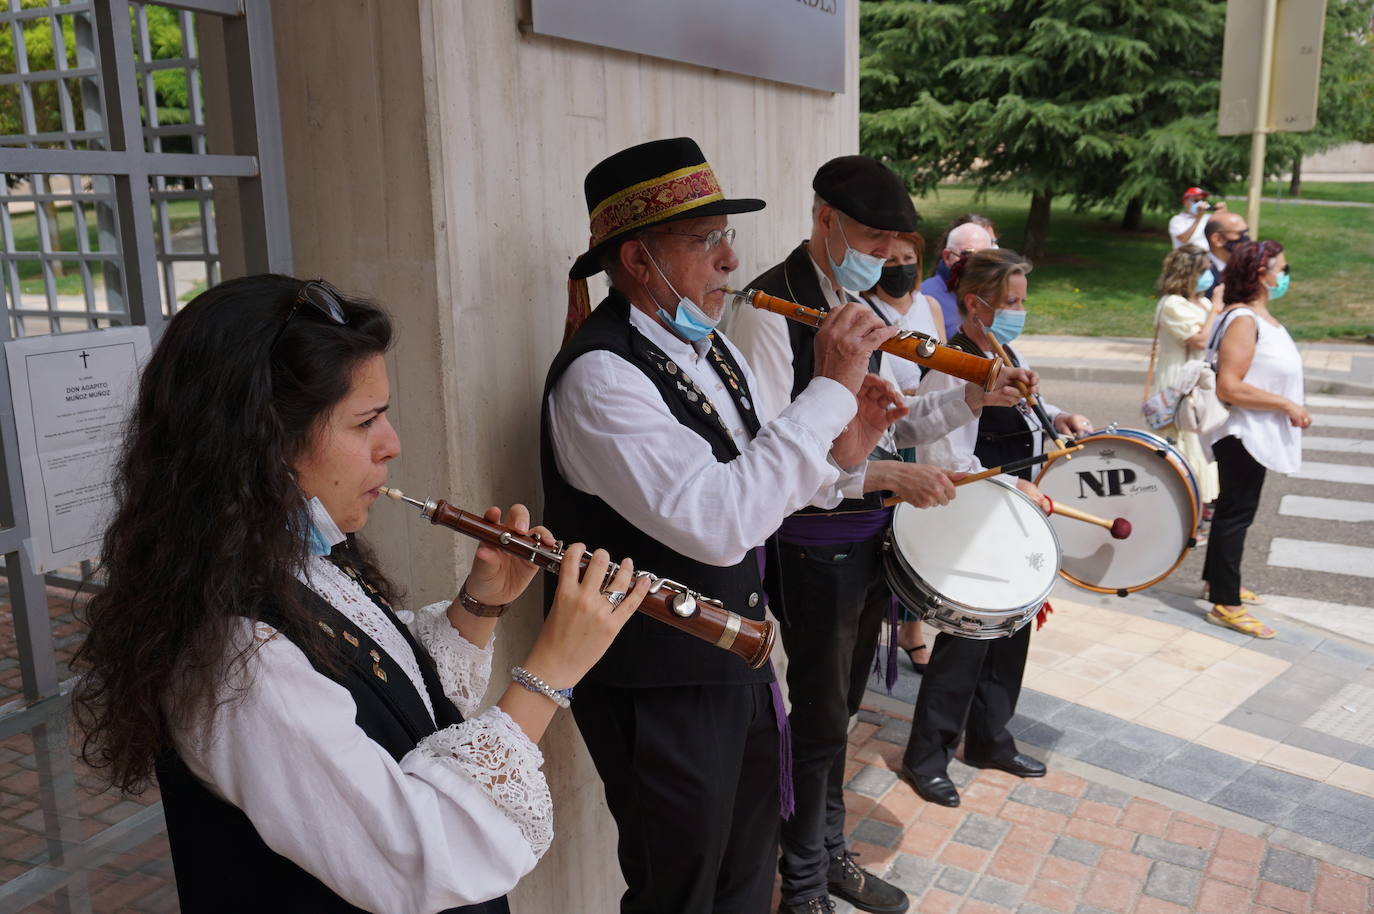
652, 448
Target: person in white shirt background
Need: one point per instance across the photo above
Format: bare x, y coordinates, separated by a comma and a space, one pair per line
316, 749
1189, 225
1259, 375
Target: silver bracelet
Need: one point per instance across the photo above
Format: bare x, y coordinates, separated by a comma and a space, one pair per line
534, 684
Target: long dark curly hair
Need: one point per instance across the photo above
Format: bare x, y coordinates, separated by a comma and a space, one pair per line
209, 523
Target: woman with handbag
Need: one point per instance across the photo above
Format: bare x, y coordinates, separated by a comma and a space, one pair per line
1259, 375
1184, 317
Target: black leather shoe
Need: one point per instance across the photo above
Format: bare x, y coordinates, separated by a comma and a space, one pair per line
862, 889
821, 904
932, 788
1020, 764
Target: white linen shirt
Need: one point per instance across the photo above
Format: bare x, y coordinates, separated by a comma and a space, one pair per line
763, 337
615, 437
460, 819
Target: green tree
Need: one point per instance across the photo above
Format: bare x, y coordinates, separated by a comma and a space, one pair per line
1047, 96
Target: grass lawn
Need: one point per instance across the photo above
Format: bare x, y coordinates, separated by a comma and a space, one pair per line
1347, 191
181, 213
1097, 280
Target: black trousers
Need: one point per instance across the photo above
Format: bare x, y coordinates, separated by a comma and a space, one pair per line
1242, 479
970, 687
836, 599
691, 778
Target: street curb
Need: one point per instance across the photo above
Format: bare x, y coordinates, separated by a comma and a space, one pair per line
1049, 369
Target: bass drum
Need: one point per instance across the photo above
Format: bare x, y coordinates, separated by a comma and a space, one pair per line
979, 567
1124, 473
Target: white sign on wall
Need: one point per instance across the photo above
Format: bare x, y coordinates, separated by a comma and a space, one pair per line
791, 41
72, 393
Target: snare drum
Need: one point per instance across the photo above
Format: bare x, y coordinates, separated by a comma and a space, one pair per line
979, 567
1124, 473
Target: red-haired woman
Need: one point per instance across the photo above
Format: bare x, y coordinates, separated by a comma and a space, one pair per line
1259, 374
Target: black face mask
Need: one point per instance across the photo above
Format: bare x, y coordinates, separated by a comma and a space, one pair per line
899, 280
1244, 237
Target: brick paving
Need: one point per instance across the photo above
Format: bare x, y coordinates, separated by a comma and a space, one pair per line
63, 607
1070, 843
1191, 769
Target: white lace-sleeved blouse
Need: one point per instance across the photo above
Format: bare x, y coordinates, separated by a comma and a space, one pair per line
460, 819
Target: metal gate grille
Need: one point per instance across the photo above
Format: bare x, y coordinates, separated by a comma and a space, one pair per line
117, 140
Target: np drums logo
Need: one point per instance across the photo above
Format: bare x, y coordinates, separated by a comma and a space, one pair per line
1104, 483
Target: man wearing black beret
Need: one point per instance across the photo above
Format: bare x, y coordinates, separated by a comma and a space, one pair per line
828, 587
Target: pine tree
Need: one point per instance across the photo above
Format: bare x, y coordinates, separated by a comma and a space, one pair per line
1053, 97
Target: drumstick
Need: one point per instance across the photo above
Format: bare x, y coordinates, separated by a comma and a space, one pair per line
1120, 528
1031, 398
1013, 467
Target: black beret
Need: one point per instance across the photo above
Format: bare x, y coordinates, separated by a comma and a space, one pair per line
866, 191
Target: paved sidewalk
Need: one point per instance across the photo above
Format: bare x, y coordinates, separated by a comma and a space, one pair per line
1191, 769
1330, 368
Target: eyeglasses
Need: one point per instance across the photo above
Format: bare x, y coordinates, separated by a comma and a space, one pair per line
708, 240
321, 296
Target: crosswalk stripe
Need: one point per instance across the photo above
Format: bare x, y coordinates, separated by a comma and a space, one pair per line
1327, 508
1351, 621
1335, 472
1333, 558
1326, 401
1337, 420
1340, 445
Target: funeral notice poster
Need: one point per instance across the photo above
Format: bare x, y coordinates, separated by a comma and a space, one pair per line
71, 395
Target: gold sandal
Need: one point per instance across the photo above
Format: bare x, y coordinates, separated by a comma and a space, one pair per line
1241, 621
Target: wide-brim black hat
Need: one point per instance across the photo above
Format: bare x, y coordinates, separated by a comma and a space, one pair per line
646, 185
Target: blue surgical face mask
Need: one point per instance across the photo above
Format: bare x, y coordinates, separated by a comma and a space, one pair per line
690, 323
857, 271
322, 534
1278, 291
1006, 323
1205, 281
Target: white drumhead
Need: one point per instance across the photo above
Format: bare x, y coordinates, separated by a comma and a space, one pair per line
1122, 475
989, 548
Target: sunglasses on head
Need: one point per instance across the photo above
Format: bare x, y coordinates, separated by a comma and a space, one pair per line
320, 296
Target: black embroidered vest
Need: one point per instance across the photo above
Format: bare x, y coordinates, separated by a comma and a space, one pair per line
648, 652
1003, 432
795, 280
221, 863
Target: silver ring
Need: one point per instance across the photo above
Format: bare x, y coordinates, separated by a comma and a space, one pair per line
614, 598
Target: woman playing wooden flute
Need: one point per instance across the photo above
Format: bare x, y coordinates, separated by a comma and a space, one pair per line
317, 749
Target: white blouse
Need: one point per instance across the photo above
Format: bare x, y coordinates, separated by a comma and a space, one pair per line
460, 819
1276, 368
